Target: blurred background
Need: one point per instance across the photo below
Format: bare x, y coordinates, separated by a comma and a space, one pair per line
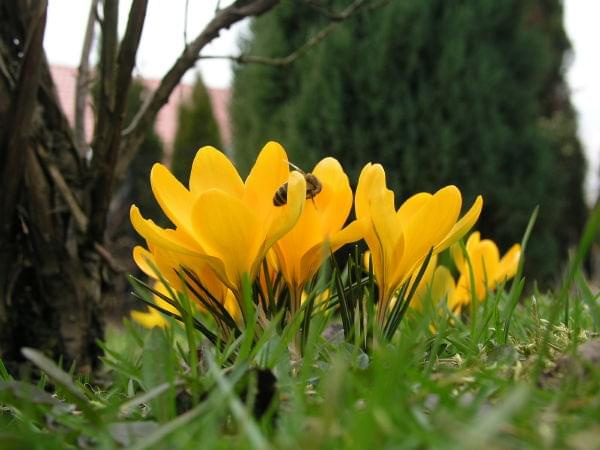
499, 98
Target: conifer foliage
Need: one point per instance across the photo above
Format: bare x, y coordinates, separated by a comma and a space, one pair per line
439, 92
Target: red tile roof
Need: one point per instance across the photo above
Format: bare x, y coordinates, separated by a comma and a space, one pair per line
166, 122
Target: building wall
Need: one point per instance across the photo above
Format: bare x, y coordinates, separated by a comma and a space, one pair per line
65, 79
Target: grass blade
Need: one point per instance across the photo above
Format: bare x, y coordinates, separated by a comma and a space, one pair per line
62, 379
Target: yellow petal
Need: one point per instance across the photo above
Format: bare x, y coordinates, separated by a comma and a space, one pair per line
319, 298
285, 263
484, 260
161, 288
208, 269
173, 198
390, 237
229, 231
376, 255
426, 228
412, 205
457, 251
211, 169
424, 284
149, 319
313, 258
462, 226
335, 199
164, 238
377, 251
371, 182
144, 260
366, 258
363, 191
473, 241
309, 264
306, 233
385, 221
461, 295
286, 216
507, 268
442, 285
458, 256
232, 306
171, 249
269, 173
353, 232
208, 279
152, 317
303, 248
168, 264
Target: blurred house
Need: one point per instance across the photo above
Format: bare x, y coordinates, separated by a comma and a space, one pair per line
65, 79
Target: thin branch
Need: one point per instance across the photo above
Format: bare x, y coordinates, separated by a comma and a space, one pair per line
108, 140
312, 41
114, 265
83, 75
128, 50
334, 15
100, 172
62, 186
105, 103
279, 62
79, 216
224, 19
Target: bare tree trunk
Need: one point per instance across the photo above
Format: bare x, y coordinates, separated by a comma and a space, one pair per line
50, 280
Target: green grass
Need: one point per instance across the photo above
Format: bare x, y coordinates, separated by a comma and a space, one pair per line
452, 389
509, 378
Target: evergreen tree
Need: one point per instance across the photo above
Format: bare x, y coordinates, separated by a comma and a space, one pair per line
439, 92
196, 127
559, 121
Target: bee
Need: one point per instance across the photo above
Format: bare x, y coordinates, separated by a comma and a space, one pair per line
313, 187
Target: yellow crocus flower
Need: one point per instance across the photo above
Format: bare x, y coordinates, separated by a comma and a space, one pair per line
221, 221
489, 270
399, 240
319, 231
436, 285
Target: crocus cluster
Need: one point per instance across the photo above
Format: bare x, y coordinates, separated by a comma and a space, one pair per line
227, 230
480, 270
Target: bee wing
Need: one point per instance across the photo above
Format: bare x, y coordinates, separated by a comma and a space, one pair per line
294, 166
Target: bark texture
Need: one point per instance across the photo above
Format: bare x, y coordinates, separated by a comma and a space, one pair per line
50, 281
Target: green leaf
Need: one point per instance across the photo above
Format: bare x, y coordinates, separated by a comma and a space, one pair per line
517, 284
4, 375
158, 368
72, 392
